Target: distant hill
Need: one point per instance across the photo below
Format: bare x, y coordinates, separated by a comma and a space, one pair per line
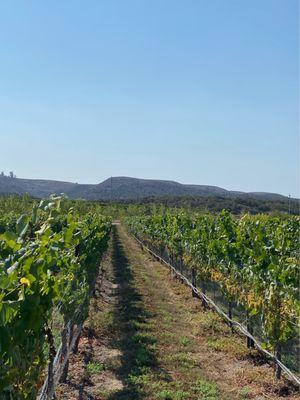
121, 188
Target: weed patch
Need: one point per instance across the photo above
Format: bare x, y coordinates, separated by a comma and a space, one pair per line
207, 390
95, 367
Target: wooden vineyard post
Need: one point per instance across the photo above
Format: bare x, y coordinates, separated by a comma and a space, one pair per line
204, 292
278, 369
77, 333
230, 313
278, 329
50, 380
250, 343
181, 268
194, 281
75, 349
65, 341
180, 264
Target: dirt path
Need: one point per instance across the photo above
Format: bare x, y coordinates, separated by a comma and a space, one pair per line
147, 338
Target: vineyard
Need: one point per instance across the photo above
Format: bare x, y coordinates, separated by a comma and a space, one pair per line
48, 262
253, 260
50, 258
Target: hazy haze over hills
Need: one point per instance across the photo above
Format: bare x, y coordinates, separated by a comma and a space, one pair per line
119, 188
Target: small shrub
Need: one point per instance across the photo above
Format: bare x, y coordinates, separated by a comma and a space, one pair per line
185, 341
171, 395
94, 367
206, 390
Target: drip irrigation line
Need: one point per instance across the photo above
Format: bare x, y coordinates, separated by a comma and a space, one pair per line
234, 323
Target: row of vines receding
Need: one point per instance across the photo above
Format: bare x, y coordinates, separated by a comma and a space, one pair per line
49, 257
253, 259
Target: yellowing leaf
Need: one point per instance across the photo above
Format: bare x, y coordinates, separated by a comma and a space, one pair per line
25, 281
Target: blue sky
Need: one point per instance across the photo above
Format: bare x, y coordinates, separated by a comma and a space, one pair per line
199, 91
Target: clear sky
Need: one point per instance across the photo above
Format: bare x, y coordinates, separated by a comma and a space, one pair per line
199, 91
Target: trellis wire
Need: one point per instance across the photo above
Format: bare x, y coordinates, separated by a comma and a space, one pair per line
231, 321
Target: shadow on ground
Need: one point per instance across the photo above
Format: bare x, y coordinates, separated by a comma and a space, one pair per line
131, 328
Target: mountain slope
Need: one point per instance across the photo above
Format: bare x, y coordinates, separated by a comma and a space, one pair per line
119, 188
35, 187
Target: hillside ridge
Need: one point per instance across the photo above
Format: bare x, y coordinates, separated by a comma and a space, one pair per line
121, 188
